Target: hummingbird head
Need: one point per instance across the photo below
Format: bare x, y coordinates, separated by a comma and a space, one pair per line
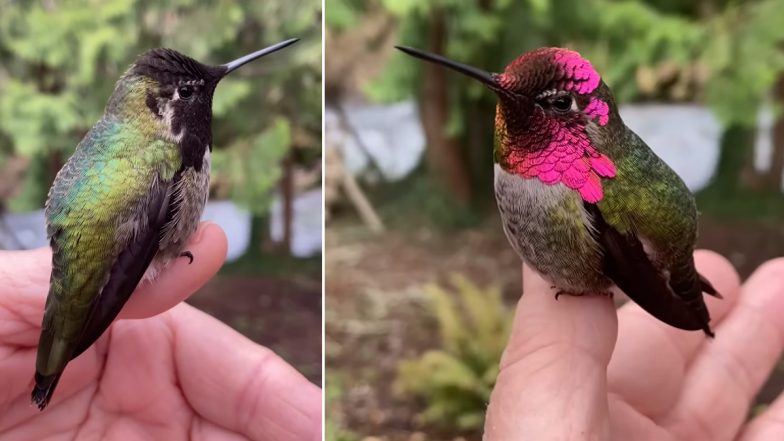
553, 117
175, 92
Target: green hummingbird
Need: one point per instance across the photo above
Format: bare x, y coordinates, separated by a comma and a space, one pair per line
124, 205
583, 200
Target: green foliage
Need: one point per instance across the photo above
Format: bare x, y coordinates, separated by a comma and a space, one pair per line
456, 380
30, 118
723, 53
471, 30
739, 47
735, 45
32, 191
745, 53
59, 62
724, 199
334, 429
334, 432
248, 159
742, 204
634, 34
342, 14
418, 202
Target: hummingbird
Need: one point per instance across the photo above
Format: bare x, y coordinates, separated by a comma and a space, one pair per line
125, 203
582, 199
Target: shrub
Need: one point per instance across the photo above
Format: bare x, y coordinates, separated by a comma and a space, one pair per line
456, 380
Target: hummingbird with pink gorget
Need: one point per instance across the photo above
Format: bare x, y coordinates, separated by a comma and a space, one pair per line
583, 200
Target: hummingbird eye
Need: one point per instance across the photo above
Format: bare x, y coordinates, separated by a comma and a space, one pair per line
562, 103
185, 92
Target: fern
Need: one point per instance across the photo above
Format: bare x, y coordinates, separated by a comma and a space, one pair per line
456, 380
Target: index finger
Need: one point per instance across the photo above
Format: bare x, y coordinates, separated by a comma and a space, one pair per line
554, 365
641, 335
247, 389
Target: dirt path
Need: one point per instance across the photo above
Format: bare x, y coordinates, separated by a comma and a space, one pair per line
375, 316
281, 314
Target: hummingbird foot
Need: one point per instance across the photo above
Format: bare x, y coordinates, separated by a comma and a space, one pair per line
189, 255
560, 292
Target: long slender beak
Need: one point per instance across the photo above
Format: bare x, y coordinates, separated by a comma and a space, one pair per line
486, 78
234, 65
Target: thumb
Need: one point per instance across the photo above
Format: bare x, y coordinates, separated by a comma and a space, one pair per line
554, 365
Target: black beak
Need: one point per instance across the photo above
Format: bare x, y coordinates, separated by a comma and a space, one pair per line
231, 66
486, 78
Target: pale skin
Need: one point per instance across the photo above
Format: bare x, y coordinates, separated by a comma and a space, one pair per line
178, 374
576, 370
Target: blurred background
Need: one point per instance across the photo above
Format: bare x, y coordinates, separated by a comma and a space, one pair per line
420, 279
59, 60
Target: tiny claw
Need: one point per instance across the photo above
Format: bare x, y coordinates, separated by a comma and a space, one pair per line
187, 254
583, 294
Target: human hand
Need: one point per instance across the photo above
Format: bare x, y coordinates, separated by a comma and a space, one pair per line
179, 375
564, 377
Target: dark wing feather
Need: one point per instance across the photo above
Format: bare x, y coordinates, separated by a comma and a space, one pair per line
627, 264
128, 269
707, 287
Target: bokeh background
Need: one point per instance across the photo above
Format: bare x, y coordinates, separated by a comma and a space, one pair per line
59, 60
420, 279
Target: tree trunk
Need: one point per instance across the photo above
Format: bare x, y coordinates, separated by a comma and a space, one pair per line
12, 172
54, 164
479, 151
444, 158
770, 179
750, 177
735, 158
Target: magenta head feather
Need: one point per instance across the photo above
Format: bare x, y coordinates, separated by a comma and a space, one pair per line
549, 101
550, 68
554, 145
548, 71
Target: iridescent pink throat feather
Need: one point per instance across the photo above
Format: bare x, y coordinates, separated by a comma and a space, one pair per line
569, 157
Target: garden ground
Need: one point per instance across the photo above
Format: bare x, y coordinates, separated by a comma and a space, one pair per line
282, 312
376, 315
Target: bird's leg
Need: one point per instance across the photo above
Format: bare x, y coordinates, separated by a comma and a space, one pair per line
189, 255
561, 292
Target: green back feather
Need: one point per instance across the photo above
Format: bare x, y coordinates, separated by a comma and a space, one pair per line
99, 188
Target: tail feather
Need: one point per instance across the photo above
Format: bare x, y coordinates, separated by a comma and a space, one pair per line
44, 388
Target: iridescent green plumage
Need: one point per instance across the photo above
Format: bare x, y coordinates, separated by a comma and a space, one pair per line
127, 201
659, 207
102, 185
